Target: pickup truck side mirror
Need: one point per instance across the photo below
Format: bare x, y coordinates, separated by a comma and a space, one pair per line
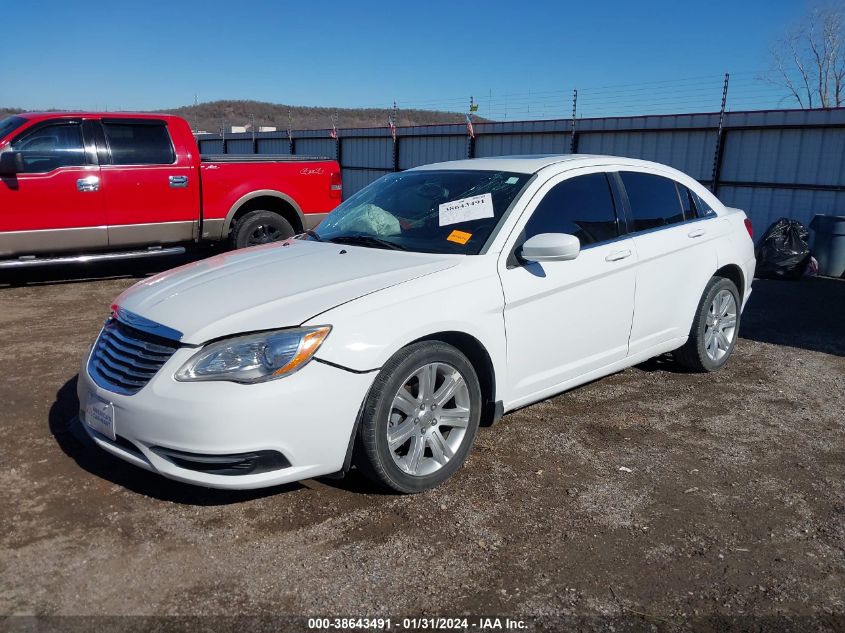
550, 247
11, 163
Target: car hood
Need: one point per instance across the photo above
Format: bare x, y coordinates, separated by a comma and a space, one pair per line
273, 286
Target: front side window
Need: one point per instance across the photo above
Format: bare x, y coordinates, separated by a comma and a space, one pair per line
581, 206
433, 211
654, 200
50, 147
139, 144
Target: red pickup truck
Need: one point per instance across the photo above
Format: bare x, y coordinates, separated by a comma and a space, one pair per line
81, 186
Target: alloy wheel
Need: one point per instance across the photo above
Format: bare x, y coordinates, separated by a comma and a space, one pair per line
428, 419
264, 234
720, 328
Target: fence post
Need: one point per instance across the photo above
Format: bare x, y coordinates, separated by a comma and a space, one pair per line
470, 130
718, 152
573, 134
254, 142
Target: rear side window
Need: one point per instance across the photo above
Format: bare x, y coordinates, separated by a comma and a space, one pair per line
687, 202
654, 200
702, 208
581, 206
51, 147
133, 144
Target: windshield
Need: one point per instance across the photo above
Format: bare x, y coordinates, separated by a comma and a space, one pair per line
10, 123
437, 211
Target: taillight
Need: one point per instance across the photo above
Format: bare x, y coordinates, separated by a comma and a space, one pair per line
749, 228
336, 188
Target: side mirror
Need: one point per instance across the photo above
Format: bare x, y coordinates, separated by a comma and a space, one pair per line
550, 247
11, 163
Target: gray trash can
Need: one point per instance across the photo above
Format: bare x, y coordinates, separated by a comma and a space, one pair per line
829, 244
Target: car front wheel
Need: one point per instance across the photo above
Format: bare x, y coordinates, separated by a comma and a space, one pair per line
420, 419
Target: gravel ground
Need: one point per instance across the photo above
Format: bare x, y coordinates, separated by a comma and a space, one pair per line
650, 498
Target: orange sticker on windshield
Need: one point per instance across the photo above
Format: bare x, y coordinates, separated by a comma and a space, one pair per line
459, 237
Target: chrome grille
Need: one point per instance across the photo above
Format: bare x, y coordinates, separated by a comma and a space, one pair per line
124, 359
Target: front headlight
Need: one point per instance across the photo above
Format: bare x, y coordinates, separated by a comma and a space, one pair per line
255, 357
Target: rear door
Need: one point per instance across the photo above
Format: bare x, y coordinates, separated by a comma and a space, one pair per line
56, 203
565, 319
675, 255
151, 190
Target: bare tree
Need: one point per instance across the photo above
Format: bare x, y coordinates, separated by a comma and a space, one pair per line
810, 60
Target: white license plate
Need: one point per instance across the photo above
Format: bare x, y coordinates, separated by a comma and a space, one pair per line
99, 415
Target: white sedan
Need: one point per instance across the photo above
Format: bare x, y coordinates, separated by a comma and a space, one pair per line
430, 302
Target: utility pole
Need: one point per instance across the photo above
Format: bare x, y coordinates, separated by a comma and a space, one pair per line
717, 155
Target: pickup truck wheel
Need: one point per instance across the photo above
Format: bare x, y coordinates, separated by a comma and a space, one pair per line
715, 328
260, 227
420, 418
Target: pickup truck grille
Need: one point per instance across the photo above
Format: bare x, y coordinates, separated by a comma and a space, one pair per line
124, 359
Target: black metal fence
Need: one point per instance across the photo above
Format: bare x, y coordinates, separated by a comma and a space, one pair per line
771, 163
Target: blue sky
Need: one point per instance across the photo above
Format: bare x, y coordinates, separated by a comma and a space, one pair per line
153, 54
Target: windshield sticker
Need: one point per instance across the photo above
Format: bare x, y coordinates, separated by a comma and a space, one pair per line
512, 180
459, 237
466, 209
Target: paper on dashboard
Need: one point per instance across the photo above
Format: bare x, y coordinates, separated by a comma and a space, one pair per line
466, 209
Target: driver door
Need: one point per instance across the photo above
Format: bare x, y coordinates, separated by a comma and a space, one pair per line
567, 319
55, 203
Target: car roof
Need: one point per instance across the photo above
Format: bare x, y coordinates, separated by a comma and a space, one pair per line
532, 163
35, 116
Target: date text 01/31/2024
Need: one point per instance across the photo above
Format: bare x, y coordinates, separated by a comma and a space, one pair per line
431, 623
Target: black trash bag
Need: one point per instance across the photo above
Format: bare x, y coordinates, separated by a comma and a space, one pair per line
783, 252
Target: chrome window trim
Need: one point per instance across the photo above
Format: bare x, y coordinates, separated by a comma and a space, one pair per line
671, 226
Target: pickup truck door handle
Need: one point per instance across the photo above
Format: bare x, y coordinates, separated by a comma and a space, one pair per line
178, 181
696, 233
89, 183
615, 257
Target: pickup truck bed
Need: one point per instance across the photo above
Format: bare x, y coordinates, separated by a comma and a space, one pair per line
260, 158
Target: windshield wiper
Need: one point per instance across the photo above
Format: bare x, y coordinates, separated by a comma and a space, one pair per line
367, 240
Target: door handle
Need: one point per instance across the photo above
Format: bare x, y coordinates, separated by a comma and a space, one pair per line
696, 233
89, 183
615, 257
178, 181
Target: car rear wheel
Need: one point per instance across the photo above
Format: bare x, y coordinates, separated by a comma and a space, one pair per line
715, 328
260, 227
420, 418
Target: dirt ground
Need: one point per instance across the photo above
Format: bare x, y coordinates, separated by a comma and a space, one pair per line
653, 498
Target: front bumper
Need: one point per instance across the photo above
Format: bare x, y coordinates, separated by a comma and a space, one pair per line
308, 418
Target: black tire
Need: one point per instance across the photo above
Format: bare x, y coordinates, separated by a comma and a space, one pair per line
260, 227
693, 355
372, 453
